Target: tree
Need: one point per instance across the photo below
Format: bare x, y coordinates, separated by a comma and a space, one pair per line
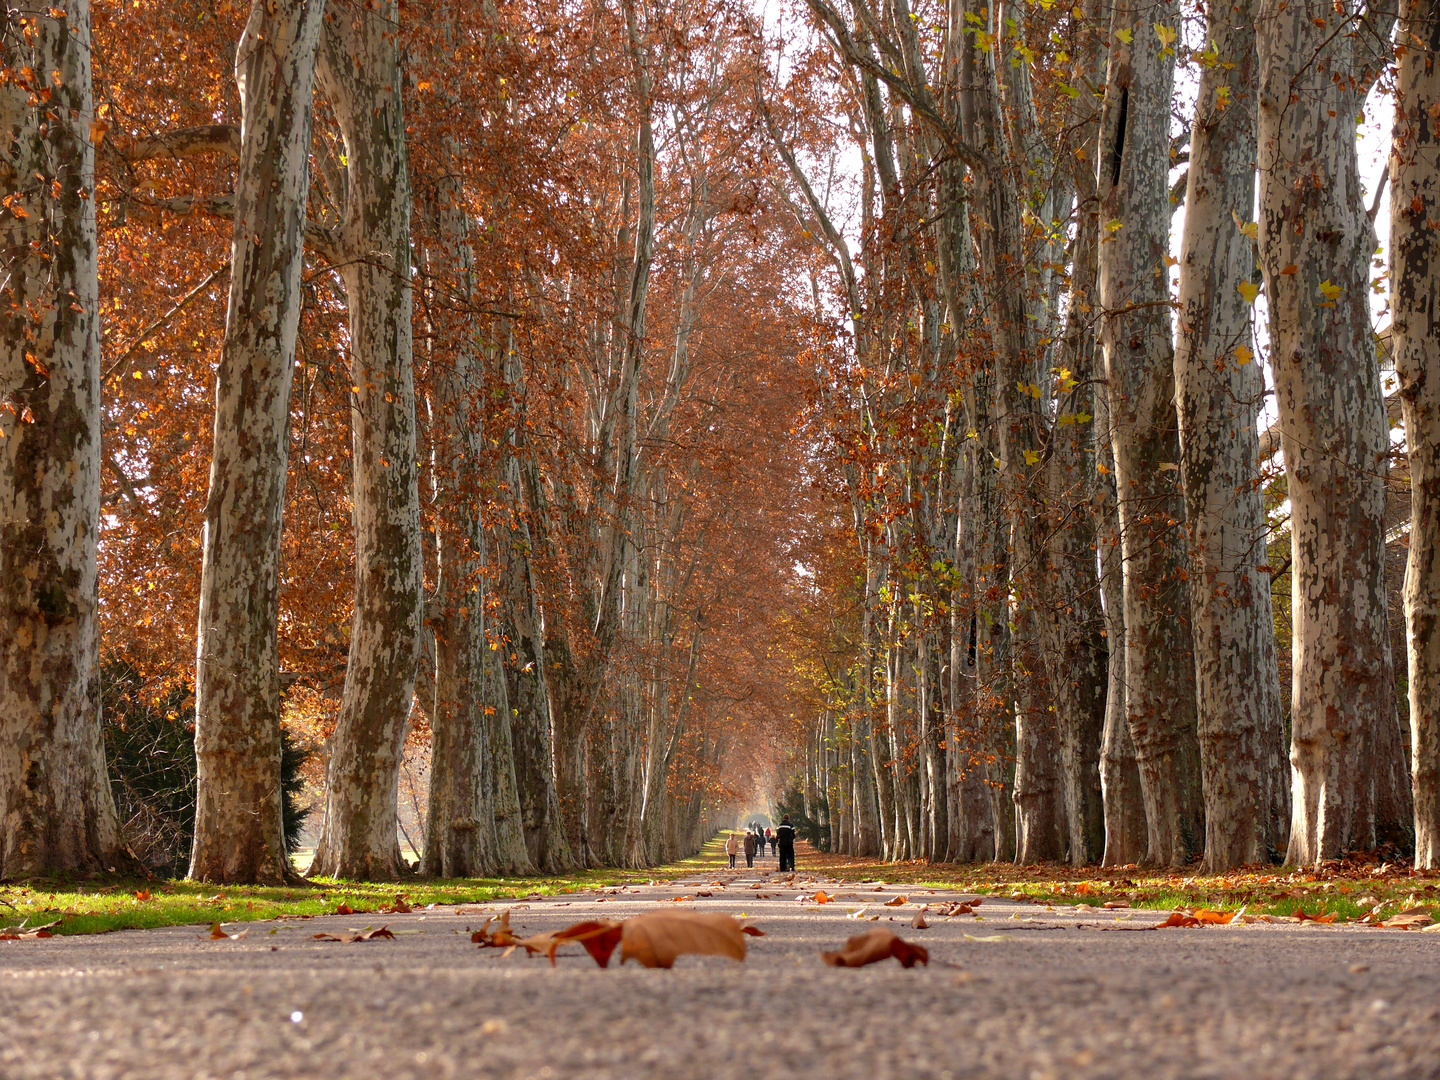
1136, 335
360, 72
239, 829
1414, 294
56, 811
1316, 241
1218, 392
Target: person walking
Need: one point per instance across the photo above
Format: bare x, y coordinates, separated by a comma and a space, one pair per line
785, 840
774, 842
732, 848
749, 849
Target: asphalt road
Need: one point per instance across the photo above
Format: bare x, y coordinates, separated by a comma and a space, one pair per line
1021, 992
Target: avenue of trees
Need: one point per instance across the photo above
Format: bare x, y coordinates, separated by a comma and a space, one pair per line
637, 399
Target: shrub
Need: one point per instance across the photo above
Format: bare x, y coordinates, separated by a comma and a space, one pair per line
150, 751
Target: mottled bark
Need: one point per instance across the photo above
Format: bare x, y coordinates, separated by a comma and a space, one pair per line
1124, 803
1316, 240
1219, 390
1132, 174
1072, 625
239, 834
56, 813
1415, 344
360, 71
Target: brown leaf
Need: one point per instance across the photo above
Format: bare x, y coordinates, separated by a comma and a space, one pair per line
398, 907
363, 935
499, 938
897, 901
142, 894
875, 945
1327, 917
345, 909
1113, 904
217, 933
919, 922
599, 936
657, 938
1408, 919
753, 931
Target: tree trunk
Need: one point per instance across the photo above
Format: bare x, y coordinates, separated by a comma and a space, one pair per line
1073, 623
360, 71
1219, 391
1125, 831
1316, 241
1139, 368
56, 812
239, 833
1415, 344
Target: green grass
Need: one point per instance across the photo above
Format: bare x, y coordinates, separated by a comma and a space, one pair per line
101, 905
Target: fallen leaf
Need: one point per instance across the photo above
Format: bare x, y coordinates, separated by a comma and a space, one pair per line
398, 907
598, 936
822, 898
1178, 918
1213, 918
1258, 918
217, 933
1410, 919
919, 922
875, 945
1114, 904
346, 909
1328, 917
368, 934
499, 938
657, 938
753, 931
897, 901
989, 937
142, 894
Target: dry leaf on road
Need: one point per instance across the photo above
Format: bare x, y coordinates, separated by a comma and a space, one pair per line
875, 945
599, 936
361, 935
897, 901
919, 922
1178, 918
1408, 919
22, 932
499, 938
217, 933
657, 938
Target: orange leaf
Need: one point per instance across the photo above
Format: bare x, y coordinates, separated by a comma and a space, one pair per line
821, 898
1179, 918
897, 901
142, 894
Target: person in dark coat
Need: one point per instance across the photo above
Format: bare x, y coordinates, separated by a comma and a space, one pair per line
785, 840
749, 849
774, 842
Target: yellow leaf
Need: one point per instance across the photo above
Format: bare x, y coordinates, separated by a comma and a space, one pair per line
1126, 36
1330, 291
1249, 290
1031, 457
1243, 355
